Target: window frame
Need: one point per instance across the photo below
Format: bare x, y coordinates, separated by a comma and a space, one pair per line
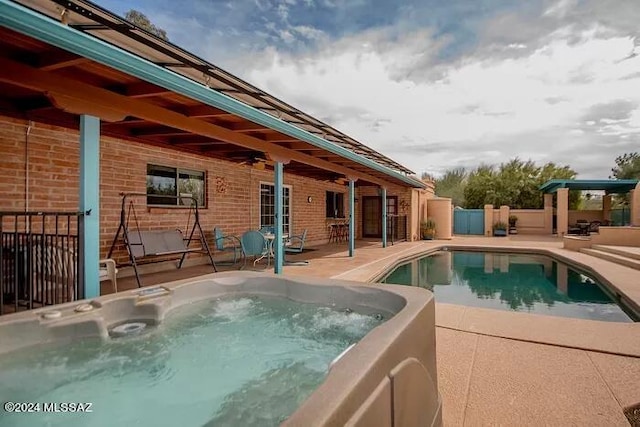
334, 203
285, 226
176, 179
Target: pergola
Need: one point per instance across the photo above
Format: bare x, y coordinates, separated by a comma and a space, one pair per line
561, 188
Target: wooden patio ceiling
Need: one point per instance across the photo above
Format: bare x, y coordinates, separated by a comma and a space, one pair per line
43, 83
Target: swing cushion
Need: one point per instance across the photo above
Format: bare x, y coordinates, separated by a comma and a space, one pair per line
160, 242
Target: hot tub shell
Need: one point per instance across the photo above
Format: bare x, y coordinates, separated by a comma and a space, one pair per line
388, 378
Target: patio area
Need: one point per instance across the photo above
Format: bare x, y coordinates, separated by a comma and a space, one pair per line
497, 367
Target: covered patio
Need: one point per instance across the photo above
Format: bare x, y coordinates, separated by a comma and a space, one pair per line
90, 106
567, 220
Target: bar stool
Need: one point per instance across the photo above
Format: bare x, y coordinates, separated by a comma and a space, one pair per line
343, 231
333, 233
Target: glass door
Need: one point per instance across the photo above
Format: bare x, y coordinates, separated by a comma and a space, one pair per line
372, 215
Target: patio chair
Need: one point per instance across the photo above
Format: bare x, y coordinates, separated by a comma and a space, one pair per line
108, 271
254, 244
295, 244
227, 243
580, 227
594, 226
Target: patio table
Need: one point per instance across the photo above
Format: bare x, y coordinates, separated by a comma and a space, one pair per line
270, 252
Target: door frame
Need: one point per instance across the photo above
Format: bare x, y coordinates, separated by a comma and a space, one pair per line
379, 219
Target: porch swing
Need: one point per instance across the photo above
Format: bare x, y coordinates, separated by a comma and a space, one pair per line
145, 245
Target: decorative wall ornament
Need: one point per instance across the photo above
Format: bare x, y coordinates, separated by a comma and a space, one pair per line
221, 185
404, 206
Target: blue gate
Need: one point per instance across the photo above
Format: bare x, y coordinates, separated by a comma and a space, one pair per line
468, 221
621, 216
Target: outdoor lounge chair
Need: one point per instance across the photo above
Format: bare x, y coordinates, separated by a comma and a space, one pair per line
254, 244
594, 226
225, 243
581, 227
295, 244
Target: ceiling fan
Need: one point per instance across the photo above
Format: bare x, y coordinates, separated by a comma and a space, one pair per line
338, 179
256, 159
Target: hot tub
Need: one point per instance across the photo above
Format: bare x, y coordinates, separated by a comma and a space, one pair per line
236, 348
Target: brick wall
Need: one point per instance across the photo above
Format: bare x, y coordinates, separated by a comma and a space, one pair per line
51, 163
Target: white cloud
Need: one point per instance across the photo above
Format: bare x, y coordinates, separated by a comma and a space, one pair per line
485, 103
308, 32
561, 8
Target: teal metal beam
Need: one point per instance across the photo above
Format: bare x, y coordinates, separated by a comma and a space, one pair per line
90, 201
608, 185
352, 216
383, 196
41, 27
277, 241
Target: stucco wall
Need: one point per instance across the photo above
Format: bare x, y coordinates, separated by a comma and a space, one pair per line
595, 215
530, 221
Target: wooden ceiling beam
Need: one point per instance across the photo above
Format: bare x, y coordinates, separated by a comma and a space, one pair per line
158, 131
278, 137
95, 100
192, 139
144, 90
249, 127
57, 59
127, 122
301, 145
203, 143
204, 111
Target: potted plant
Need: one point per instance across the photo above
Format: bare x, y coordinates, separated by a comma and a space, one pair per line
512, 224
499, 229
428, 229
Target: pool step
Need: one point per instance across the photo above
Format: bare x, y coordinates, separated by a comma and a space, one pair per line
618, 259
625, 251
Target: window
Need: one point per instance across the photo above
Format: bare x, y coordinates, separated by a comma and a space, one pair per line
335, 205
167, 181
268, 206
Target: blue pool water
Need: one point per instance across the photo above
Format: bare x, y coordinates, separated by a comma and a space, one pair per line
230, 362
516, 282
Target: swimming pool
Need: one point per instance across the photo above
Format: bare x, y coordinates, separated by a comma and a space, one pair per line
230, 349
510, 281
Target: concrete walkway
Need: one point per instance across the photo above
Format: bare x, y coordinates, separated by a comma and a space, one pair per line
505, 368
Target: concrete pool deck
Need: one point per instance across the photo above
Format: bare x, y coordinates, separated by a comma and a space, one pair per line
506, 368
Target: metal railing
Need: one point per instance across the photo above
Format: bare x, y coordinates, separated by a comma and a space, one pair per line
41, 259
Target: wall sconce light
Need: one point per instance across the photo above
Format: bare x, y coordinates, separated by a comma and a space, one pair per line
309, 199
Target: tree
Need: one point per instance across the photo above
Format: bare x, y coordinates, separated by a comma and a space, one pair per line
481, 187
515, 184
553, 171
140, 19
452, 185
627, 166
427, 175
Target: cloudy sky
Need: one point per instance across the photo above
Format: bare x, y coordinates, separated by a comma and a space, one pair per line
436, 84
